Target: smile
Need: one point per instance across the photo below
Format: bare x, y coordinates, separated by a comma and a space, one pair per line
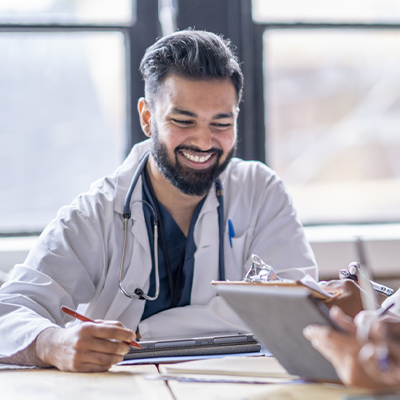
196, 158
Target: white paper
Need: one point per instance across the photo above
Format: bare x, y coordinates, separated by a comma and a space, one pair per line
12, 366
266, 367
311, 283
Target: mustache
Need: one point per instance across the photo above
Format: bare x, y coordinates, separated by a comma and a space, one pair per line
213, 150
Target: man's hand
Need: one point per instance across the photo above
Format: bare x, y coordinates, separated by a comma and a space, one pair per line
383, 339
341, 350
86, 347
355, 362
347, 296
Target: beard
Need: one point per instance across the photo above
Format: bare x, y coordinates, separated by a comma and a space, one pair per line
189, 181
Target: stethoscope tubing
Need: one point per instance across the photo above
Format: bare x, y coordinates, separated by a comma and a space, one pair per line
138, 293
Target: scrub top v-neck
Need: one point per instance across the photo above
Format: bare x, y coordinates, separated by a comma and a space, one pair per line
180, 252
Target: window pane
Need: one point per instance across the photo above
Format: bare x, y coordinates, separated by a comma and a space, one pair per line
363, 11
62, 120
67, 11
333, 121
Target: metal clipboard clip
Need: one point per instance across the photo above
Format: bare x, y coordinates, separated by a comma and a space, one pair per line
260, 271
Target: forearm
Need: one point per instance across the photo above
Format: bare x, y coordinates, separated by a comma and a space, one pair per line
34, 354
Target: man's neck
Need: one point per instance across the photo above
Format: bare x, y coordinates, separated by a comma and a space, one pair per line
179, 205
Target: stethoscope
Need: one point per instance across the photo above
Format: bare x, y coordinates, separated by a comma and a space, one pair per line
139, 293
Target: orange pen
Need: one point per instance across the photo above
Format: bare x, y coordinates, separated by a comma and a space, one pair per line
81, 317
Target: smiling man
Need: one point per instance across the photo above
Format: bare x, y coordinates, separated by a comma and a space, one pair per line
212, 212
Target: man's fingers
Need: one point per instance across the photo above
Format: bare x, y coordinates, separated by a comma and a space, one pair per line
325, 339
342, 320
100, 358
109, 331
106, 346
346, 296
108, 322
341, 285
369, 360
104, 339
91, 361
391, 327
331, 286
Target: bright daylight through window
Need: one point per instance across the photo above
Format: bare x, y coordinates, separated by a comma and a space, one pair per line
63, 107
333, 109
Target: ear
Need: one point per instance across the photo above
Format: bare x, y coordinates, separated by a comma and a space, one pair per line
144, 116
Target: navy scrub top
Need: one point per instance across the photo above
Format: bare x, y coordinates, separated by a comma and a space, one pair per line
180, 252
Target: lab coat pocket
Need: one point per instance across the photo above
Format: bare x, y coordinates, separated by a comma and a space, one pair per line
235, 256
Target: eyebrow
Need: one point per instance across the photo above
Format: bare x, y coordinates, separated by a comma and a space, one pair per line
180, 111
177, 110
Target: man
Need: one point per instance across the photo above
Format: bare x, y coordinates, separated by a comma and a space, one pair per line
193, 87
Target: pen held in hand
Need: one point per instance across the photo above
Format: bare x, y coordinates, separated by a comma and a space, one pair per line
81, 317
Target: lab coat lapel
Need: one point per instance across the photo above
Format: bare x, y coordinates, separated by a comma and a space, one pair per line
206, 264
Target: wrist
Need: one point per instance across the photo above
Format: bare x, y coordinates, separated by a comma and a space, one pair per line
42, 349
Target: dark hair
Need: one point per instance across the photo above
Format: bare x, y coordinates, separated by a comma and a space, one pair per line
190, 54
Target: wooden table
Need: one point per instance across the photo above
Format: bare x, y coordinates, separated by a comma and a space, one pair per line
126, 382
129, 382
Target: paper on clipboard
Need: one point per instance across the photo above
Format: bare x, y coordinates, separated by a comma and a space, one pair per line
307, 281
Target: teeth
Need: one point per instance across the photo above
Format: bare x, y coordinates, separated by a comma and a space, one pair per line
196, 158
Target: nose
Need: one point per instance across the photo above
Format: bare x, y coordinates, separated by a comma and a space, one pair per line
202, 138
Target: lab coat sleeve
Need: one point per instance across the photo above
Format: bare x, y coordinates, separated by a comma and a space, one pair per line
64, 268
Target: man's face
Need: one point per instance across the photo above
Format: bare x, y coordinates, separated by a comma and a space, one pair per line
193, 130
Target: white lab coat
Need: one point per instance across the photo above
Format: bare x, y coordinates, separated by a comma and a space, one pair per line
77, 258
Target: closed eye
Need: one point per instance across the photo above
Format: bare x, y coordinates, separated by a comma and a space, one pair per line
221, 126
182, 122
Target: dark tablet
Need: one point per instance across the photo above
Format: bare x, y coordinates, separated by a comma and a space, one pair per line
277, 316
208, 344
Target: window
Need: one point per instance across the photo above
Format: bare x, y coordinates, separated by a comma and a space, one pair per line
67, 11
332, 94
331, 11
63, 103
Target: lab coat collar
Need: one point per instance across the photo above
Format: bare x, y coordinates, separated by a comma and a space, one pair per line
125, 174
211, 202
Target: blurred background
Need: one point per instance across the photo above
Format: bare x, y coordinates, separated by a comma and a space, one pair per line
321, 107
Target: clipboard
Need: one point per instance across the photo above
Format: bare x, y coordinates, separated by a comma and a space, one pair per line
283, 283
277, 315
